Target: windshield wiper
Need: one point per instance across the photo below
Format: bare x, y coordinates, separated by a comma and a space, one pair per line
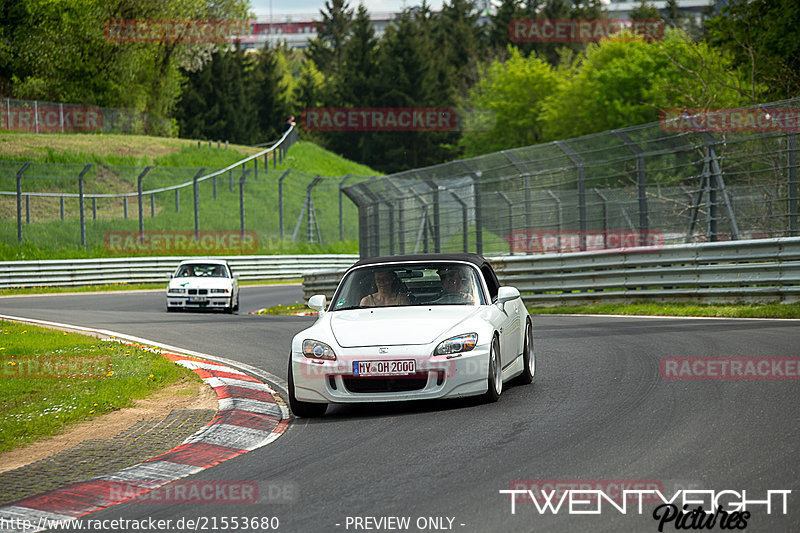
349, 307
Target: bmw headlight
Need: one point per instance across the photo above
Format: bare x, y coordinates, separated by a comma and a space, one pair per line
318, 350
458, 344
175, 290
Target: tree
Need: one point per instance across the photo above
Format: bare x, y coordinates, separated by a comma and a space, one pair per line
507, 104
761, 36
326, 50
57, 51
626, 80
645, 11
498, 24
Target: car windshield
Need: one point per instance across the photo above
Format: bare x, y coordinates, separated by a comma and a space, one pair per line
409, 285
202, 270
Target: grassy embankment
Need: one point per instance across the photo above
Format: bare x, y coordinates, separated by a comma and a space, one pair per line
53, 379
119, 159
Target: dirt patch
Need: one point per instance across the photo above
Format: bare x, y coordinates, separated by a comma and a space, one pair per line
183, 395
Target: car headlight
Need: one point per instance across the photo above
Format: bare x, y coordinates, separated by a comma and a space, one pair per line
177, 291
318, 350
219, 291
457, 344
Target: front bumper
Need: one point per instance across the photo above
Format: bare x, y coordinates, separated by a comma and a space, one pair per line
210, 302
435, 377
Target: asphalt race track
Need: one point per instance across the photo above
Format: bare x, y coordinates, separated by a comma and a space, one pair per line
599, 412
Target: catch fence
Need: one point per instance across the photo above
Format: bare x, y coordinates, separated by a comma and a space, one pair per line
650, 185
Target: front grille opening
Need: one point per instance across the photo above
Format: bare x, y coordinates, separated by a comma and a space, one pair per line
368, 385
439, 377
332, 382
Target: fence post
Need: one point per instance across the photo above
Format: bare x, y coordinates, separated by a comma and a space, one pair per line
19, 198
139, 196
214, 186
510, 206
80, 203
125, 207
27, 209
94, 208
177, 201
641, 184
437, 248
311, 220
579, 167
604, 203
152, 205
196, 196
719, 185
791, 145
62, 208
401, 222
241, 200
341, 208
478, 211
526, 185
230, 180
464, 225
280, 200
36, 114
559, 218
255, 168
389, 205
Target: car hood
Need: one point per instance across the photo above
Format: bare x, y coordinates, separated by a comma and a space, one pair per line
393, 326
200, 283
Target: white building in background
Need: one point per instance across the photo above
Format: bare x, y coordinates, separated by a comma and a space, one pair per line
298, 30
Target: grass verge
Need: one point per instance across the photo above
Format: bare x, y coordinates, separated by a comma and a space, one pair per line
296, 309
52, 379
772, 310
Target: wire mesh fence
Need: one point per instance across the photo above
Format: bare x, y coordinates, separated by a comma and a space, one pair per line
685, 179
142, 210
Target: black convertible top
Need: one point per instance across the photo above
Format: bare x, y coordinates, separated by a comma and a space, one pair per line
477, 260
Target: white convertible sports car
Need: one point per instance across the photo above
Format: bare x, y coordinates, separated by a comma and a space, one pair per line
410, 328
203, 284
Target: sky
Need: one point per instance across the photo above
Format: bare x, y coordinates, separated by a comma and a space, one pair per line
304, 8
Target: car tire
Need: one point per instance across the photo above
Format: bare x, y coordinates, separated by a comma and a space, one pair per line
495, 374
528, 357
303, 409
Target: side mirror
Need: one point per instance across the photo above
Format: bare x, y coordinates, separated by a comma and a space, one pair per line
236, 276
317, 303
170, 275
506, 294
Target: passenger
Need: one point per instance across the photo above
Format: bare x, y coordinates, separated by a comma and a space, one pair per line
454, 289
390, 291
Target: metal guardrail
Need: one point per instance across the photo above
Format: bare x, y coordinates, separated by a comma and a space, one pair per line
74, 272
755, 270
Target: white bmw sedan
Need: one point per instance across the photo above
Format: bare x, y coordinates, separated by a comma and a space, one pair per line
412, 328
203, 284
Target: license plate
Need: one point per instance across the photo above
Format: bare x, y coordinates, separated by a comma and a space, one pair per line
198, 299
384, 368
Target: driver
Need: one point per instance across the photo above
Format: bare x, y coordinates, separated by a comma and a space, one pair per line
454, 288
